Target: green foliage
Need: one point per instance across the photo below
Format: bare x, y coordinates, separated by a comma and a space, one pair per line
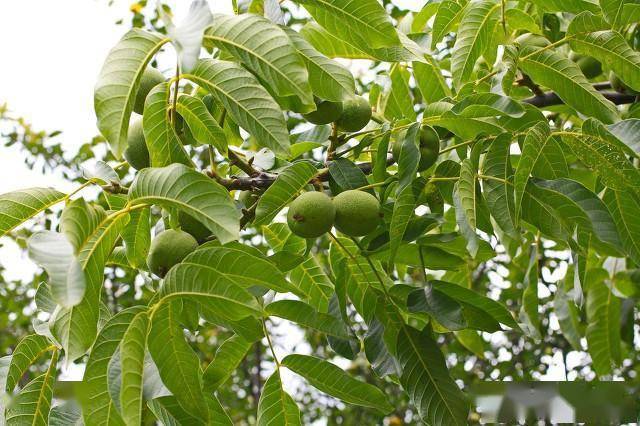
452, 187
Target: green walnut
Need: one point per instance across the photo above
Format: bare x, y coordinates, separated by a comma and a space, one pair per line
311, 215
429, 148
356, 113
151, 77
590, 67
326, 112
357, 212
194, 227
137, 153
619, 86
531, 40
167, 249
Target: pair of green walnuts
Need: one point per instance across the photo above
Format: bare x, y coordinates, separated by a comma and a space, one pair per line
355, 213
350, 115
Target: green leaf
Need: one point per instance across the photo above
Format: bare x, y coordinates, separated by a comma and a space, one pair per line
115, 92
177, 186
532, 149
449, 14
603, 328
18, 206
248, 103
137, 237
97, 406
625, 210
397, 102
488, 105
347, 175
362, 23
177, 363
78, 220
496, 310
266, 50
568, 315
473, 38
75, 328
499, 194
101, 172
132, 352
425, 379
243, 265
403, 209
312, 284
409, 157
328, 79
332, 380
628, 132
55, 254
228, 357
520, 20
32, 405
204, 128
430, 81
65, 414
283, 190
590, 35
445, 310
571, 6
529, 314
466, 204
276, 406
169, 412
305, 315
280, 238
209, 287
471, 340
555, 71
26, 352
159, 132
600, 151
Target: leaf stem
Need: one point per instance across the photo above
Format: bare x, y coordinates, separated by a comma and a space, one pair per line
563, 40
271, 348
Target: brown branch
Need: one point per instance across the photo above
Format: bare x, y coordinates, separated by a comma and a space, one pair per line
550, 98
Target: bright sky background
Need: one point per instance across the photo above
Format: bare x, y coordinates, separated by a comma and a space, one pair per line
51, 53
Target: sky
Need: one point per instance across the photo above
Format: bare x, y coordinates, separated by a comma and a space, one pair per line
51, 54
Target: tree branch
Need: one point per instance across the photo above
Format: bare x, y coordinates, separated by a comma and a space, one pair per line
550, 98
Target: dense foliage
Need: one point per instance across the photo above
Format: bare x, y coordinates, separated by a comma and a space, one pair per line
463, 210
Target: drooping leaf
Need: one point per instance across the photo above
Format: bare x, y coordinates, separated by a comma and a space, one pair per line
332, 380
568, 315
447, 17
430, 80
496, 310
76, 327
246, 101
603, 329
625, 208
97, 406
243, 265
18, 206
101, 172
283, 190
206, 285
132, 353
532, 148
529, 311
177, 186
115, 91
409, 157
346, 174
26, 352
304, 315
178, 365
264, 48
328, 79
312, 284
78, 220
159, 131
444, 309
32, 405
628, 132
466, 204
403, 209
137, 237
204, 128
600, 151
55, 254
397, 102
363, 23
590, 35
473, 38
425, 378
499, 193
557, 72
276, 407
228, 357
